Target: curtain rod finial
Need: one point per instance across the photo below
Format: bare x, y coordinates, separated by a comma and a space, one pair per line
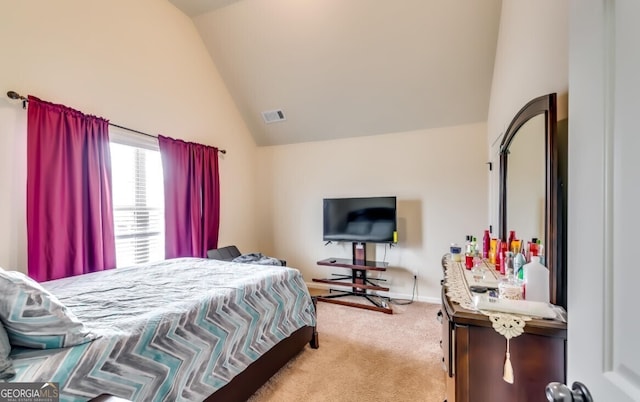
14, 95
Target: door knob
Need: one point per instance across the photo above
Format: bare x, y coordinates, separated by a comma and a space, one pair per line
558, 392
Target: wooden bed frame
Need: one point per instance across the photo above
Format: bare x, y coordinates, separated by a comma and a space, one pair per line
258, 373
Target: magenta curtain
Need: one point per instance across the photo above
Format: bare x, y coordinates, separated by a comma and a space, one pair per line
191, 197
69, 208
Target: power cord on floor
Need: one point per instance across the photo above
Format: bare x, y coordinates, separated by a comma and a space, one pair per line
403, 302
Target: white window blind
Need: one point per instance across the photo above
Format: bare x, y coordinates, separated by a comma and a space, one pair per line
138, 199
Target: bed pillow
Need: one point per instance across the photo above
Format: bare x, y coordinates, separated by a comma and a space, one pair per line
6, 367
35, 318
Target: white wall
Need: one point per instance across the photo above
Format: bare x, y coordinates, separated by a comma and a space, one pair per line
140, 64
531, 60
439, 177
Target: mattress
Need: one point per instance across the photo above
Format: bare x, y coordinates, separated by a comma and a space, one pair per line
175, 330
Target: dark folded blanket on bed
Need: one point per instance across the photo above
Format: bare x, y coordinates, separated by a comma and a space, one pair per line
257, 258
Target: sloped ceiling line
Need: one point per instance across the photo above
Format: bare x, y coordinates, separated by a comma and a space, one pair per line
346, 68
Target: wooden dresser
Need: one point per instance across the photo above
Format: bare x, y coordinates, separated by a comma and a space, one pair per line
474, 356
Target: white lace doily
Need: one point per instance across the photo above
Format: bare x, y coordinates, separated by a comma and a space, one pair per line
456, 283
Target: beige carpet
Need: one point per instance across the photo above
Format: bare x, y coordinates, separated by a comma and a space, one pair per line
366, 356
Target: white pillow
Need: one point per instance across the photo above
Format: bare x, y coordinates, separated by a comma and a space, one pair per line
35, 318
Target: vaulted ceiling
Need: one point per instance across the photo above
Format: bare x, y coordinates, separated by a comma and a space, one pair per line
346, 68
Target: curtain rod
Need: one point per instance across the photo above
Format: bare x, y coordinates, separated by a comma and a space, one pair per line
15, 95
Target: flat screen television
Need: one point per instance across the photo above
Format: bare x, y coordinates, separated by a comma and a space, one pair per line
361, 220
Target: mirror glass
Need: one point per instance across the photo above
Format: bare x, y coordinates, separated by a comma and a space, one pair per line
526, 181
529, 186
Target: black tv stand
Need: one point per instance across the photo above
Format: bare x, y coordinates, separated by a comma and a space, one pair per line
360, 284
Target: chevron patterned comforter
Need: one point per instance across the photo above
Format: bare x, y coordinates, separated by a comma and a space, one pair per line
171, 331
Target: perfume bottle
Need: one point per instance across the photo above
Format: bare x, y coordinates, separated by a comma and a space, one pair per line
478, 271
510, 287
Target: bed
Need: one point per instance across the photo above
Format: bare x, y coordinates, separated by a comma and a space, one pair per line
184, 329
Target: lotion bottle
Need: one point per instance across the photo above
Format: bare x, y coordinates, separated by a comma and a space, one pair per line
536, 278
486, 239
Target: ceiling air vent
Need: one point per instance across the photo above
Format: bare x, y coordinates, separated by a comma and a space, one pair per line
273, 116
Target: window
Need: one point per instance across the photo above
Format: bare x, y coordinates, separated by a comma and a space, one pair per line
138, 199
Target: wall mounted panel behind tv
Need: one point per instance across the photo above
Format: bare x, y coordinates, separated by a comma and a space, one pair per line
360, 219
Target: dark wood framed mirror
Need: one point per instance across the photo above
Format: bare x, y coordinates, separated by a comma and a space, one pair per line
529, 185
